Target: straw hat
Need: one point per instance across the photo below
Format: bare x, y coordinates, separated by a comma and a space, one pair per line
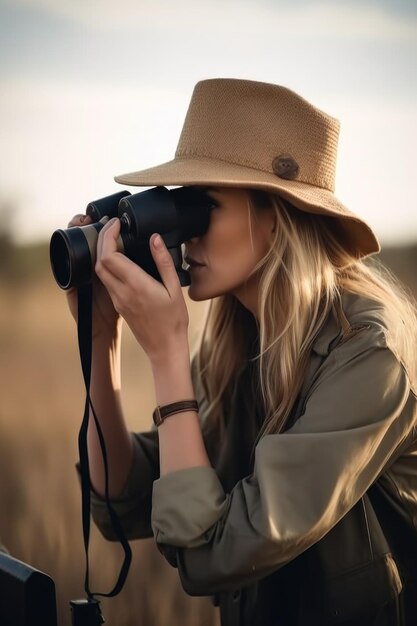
248, 134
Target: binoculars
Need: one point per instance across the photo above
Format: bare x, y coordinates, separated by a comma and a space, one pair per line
177, 215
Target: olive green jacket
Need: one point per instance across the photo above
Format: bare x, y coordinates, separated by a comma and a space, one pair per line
228, 526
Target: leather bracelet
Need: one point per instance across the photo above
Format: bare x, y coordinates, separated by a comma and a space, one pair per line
162, 412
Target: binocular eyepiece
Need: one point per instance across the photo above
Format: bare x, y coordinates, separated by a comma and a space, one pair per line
177, 215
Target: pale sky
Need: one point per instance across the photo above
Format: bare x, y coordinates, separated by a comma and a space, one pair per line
94, 88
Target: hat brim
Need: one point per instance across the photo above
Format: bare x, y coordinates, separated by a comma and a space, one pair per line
187, 171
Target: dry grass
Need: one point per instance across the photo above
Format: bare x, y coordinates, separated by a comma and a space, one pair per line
41, 403
40, 412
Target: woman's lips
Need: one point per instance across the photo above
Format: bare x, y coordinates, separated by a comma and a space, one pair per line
192, 262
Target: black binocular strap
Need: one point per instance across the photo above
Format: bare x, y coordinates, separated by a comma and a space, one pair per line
85, 314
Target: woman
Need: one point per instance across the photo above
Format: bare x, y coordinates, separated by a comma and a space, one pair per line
279, 491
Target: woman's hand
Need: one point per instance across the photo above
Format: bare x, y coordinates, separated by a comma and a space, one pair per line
105, 317
156, 313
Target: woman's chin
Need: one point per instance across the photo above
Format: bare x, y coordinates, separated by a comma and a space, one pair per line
199, 292
197, 295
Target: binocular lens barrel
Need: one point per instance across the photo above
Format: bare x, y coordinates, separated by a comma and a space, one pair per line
178, 215
73, 254
73, 251
106, 206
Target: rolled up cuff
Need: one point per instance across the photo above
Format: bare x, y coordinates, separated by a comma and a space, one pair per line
185, 505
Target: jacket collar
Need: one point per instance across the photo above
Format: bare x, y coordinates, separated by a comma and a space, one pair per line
334, 327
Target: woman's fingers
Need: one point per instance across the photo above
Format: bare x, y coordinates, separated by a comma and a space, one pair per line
112, 267
154, 312
107, 242
165, 264
126, 282
109, 259
79, 220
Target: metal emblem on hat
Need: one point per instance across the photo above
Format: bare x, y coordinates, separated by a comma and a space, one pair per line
285, 166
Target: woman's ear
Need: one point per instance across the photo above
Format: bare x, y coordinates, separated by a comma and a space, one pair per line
269, 226
272, 219
274, 227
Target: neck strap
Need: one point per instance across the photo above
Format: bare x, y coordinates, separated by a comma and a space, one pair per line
85, 308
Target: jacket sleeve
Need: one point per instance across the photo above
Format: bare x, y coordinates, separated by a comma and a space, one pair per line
357, 413
133, 506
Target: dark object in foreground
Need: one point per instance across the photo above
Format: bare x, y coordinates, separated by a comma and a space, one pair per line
86, 612
27, 596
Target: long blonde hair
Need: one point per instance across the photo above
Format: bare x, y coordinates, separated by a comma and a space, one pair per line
302, 275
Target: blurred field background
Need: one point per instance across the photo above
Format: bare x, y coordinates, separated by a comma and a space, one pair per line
93, 89
40, 412
41, 406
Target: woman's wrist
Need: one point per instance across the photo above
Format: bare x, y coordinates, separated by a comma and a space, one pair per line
172, 352
172, 375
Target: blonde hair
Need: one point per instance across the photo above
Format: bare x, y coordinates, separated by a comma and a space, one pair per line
301, 278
